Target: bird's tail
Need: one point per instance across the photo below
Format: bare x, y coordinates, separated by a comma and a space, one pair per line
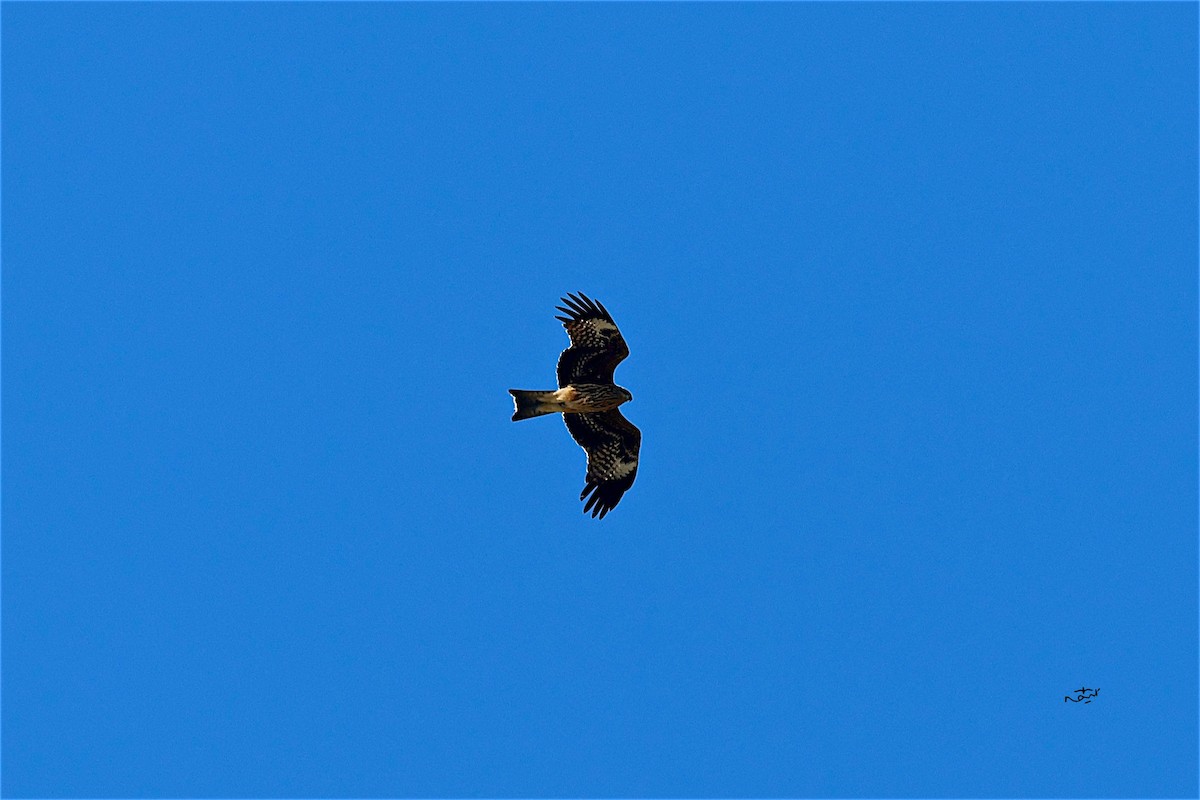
533, 404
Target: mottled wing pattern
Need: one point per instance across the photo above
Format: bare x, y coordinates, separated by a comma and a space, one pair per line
612, 444
596, 344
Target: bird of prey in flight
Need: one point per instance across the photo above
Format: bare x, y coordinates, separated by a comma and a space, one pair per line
588, 399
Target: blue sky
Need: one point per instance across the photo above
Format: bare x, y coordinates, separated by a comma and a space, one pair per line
912, 298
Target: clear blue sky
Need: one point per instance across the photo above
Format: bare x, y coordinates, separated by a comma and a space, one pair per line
912, 297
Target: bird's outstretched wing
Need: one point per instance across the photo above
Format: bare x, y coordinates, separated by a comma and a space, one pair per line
596, 344
612, 444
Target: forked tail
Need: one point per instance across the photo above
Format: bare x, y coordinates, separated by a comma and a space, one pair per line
533, 404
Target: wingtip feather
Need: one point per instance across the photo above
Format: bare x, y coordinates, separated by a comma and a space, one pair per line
579, 306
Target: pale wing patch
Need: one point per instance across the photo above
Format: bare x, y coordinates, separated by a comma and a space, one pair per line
622, 468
